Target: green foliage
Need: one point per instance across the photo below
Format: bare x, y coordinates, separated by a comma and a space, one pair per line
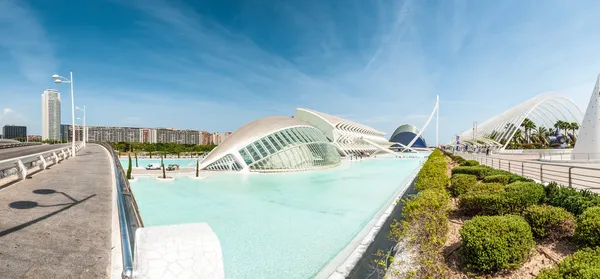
197, 167
493, 243
514, 198
469, 163
498, 178
524, 194
129, 168
571, 199
426, 202
549, 222
460, 182
480, 171
169, 147
426, 224
433, 173
583, 264
425, 220
162, 165
588, 227
136, 161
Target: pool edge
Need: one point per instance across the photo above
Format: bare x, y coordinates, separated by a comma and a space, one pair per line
342, 265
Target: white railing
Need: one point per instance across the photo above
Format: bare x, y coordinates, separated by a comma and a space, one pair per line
16, 169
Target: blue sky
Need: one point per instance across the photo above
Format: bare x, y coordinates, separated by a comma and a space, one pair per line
216, 65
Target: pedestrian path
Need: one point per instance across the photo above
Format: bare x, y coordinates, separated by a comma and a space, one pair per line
57, 224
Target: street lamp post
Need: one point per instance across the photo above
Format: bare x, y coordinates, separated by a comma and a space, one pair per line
84, 129
60, 79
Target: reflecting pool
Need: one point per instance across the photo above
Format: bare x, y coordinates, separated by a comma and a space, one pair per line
278, 225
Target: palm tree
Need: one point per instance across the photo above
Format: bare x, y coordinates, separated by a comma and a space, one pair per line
528, 125
542, 133
574, 126
518, 137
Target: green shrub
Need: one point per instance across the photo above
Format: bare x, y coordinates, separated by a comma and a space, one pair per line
570, 199
460, 182
583, 264
426, 201
480, 187
588, 227
479, 171
425, 224
524, 194
498, 178
484, 203
433, 173
493, 243
549, 222
494, 200
469, 163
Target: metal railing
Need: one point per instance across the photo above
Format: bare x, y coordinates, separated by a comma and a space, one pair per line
567, 175
129, 215
18, 168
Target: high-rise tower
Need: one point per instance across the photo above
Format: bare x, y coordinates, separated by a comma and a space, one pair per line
51, 115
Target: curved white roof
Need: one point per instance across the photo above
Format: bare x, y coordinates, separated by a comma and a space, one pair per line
251, 132
343, 123
544, 109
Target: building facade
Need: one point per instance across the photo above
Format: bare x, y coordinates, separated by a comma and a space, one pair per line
405, 134
13, 132
51, 115
307, 141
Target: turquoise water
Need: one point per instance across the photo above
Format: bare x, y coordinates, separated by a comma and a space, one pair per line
145, 162
278, 225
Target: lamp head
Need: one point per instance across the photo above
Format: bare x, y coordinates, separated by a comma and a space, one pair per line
57, 81
55, 76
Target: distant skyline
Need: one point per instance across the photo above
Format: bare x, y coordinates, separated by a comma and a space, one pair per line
216, 65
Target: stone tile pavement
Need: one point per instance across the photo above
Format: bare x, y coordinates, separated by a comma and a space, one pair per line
57, 224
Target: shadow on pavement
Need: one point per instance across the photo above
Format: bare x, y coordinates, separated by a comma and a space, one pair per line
32, 204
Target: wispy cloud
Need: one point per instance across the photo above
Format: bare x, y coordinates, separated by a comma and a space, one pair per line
24, 38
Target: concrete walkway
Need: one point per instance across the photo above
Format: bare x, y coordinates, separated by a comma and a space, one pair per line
57, 224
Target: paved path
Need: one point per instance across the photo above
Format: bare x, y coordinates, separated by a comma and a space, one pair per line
26, 150
58, 223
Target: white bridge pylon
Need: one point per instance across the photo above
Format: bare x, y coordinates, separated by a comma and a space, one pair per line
437, 122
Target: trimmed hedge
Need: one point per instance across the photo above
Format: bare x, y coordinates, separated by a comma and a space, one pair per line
479, 171
588, 227
571, 199
549, 222
498, 178
425, 218
426, 201
433, 173
525, 194
584, 264
469, 163
461, 182
493, 243
513, 199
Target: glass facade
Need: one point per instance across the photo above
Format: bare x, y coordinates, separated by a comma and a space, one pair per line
224, 164
297, 148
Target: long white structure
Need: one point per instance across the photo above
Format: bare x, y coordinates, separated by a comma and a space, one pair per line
309, 140
51, 115
544, 109
347, 136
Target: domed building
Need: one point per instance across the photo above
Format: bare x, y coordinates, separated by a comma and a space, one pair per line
310, 140
405, 134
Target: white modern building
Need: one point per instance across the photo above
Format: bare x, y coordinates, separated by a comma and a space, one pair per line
347, 136
544, 110
51, 115
310, 140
